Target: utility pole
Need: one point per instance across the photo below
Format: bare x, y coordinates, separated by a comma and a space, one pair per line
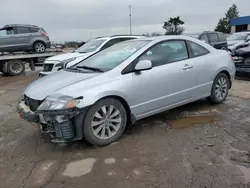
130, 19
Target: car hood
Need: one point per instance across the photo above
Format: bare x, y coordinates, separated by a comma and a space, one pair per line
66, 56
78, 59
234, 42
243, 51
45, 86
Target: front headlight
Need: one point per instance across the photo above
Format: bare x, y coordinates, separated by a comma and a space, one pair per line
63, 63
59, 103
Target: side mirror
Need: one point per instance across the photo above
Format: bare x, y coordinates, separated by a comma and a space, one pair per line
143, 65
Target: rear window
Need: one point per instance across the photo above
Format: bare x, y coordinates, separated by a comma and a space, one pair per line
34, 29
221, 37
22, 30
213, 37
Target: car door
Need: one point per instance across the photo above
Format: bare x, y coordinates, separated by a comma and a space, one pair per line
22, 37
201, 61
170, 82
213, 40
6, 42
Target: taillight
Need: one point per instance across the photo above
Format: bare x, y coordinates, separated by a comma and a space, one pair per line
230, 56
45, 34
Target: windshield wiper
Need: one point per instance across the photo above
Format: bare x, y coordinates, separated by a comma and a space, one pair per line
90, 68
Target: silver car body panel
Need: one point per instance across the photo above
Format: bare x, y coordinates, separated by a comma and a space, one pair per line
150, 92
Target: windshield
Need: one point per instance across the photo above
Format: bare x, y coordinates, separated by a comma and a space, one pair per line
112, 56
90, 46
238, 36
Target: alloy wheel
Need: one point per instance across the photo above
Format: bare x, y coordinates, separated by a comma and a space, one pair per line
221, 88
106, 122
40, 47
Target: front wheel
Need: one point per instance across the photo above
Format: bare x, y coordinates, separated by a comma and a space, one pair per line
220, 88
104, 122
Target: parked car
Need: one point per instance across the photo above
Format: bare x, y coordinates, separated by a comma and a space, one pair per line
216, 39
14, 38
238, 40
129, 81
58, 62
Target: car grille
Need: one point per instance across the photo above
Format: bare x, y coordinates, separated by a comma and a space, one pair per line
47, 67
33, 104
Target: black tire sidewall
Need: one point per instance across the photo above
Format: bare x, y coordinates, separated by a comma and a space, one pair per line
213, 97
87, 131
13, 73
34, 46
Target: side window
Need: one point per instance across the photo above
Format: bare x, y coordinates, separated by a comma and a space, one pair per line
6, 31
22, 30
166, 52
33, 29
111, 43
196, 49
213, 37
204, 38
222, 37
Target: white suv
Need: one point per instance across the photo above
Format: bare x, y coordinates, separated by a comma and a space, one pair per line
58, 62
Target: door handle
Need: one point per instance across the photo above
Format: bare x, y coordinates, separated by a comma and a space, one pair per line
187, 67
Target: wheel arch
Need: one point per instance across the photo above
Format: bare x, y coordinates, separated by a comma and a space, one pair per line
228, 75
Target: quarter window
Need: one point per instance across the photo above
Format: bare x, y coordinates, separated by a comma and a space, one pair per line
166, 52
34, 29
22, 30
196, 49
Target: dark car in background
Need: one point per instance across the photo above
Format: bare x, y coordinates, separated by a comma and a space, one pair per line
19, 37
216, 39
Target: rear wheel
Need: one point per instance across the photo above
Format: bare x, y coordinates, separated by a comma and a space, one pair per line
39, 47
104, 122
220, 88
15, 67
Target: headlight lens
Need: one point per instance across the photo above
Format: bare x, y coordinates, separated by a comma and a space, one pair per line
63, 63
59, 103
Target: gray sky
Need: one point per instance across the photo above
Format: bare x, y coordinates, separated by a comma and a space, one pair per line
77, 19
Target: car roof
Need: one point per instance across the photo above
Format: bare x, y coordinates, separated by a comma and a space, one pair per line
204, 32
20, 25
120, 36
168, 37
244, 32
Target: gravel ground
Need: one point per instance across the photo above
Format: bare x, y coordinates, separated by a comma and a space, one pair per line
197, 145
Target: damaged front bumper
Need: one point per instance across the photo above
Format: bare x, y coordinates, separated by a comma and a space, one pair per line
62, 125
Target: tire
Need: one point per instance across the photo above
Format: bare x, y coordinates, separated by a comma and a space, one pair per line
219, 89
113, 125
39, 47
15, 67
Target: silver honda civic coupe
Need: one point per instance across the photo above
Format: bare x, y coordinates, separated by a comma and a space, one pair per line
120, 85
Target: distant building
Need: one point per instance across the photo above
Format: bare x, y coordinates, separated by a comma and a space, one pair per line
240, 24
